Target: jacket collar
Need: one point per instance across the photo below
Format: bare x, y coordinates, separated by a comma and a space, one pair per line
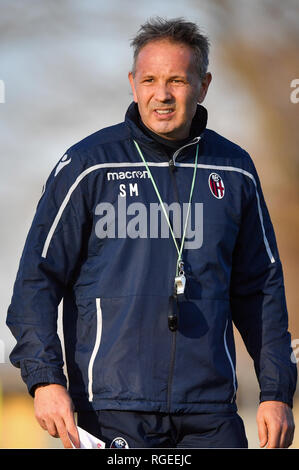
132, 119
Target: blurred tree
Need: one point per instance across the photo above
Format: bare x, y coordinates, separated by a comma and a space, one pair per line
257, 42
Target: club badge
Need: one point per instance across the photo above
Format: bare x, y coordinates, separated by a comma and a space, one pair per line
216, 185
119, 443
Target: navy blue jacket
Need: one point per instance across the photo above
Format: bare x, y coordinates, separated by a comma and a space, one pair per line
90, 246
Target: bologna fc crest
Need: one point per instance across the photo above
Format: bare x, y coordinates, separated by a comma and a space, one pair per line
216, 185
119, 443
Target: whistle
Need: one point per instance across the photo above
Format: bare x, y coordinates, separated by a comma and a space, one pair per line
180, 282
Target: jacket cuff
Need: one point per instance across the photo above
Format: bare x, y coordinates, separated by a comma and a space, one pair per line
44, 375
277, 396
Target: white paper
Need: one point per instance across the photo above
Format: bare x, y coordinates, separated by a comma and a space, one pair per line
88, 441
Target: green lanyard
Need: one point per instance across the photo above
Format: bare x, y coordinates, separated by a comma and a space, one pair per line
180, 264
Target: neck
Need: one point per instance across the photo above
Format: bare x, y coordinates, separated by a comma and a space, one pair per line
173, 143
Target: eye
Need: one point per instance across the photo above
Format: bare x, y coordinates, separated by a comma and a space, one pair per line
177, 80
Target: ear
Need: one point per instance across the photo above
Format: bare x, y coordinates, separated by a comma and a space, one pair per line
204, 87
131, 80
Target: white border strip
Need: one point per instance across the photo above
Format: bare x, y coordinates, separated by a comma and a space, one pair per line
231, 361
95, 349
141, 164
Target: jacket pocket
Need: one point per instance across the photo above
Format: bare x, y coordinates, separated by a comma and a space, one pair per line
95, 350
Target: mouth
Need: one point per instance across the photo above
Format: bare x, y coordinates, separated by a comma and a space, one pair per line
164, 112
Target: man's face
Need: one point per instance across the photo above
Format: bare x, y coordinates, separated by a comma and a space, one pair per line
167, 88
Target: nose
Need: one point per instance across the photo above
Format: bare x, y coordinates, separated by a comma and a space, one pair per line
162, 92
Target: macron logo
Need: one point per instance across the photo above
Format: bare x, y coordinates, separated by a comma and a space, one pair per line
63, 162
122, 175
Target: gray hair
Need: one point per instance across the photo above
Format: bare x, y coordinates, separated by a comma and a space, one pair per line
177, 30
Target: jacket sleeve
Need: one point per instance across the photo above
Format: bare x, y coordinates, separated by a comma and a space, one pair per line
48, 265
258, 301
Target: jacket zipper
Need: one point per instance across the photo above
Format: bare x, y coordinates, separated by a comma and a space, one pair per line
175, 307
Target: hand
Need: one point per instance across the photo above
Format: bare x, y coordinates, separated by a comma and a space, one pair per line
54, 412
275, 424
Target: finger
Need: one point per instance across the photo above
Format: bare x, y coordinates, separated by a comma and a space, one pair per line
42, 423
72, 430
284, 440
286, 437
51, 427
42, 420
47, 425
63, 434
289, 440
274, 433
262, 432
291, 431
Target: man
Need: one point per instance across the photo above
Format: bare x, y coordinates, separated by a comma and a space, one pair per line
148, 319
